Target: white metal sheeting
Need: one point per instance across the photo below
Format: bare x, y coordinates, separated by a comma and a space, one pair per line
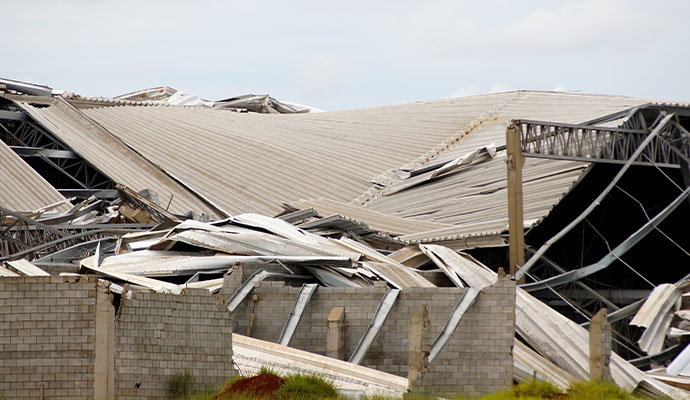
23, 188
376, 220
561, 340
681, 364
25, 267
151, 262
528, 364
392, 271
250, 355
112, 157
655, 315
253, 162
473, 199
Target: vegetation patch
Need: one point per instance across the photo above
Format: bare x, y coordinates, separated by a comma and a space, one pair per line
269, 386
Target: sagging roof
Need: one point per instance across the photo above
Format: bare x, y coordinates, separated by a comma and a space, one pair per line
471, 200
252, 163
378, 166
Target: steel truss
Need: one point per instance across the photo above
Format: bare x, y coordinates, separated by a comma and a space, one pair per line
23, 237
30, 140
592, 143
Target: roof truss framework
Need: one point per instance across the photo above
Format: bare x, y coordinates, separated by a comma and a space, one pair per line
592, 143
30, 141
649, 135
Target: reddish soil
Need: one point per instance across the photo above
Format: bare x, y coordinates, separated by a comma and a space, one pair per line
261, 387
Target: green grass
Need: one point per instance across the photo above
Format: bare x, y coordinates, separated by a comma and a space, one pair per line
311, 387
527, 391
597, 390
306, 387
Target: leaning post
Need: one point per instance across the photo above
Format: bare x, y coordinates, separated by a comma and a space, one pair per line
516, 230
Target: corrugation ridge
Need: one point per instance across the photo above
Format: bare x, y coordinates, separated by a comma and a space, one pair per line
23, 188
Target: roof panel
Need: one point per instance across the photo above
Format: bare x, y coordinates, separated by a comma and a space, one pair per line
22, 188
112, 157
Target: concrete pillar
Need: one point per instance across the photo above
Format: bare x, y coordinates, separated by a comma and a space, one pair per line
104, 354
599, 347
516, 229
335, 341
418, 361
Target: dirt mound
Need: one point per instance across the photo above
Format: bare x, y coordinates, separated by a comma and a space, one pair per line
261, 386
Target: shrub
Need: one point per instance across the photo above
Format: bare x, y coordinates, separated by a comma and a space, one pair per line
181, 385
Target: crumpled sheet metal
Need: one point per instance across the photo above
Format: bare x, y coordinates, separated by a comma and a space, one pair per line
151, 262
563, 341
655, 315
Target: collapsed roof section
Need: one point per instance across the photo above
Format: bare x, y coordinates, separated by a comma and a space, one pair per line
262, 103
334, 155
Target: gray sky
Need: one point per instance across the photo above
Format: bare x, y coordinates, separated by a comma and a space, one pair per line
349, 54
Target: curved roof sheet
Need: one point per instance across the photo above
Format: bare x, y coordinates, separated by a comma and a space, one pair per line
473, 200
244, 162
254, 162
22, 188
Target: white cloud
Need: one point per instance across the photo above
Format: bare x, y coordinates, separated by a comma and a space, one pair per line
560, 88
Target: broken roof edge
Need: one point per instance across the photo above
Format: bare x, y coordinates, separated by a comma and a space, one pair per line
70, 111
488, 116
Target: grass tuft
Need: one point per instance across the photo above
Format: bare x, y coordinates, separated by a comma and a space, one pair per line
597, 390
306, 387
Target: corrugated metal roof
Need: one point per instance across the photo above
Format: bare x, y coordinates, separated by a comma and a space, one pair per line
112, 157
473, 200
22, 188
376, 220
252, 162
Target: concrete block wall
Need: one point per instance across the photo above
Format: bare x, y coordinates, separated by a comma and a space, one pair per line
160, 335
47, 337
477, 360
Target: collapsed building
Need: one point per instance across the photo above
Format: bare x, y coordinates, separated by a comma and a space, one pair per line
330, 232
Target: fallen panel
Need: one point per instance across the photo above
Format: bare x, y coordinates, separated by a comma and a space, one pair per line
395, 273
4, 272
456, 264
248, 285
528, 364
656, 315
301, 301
25, 267
375, 326
211, 285
681, 364
153, 262
250, 355
468, 298
153, 284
